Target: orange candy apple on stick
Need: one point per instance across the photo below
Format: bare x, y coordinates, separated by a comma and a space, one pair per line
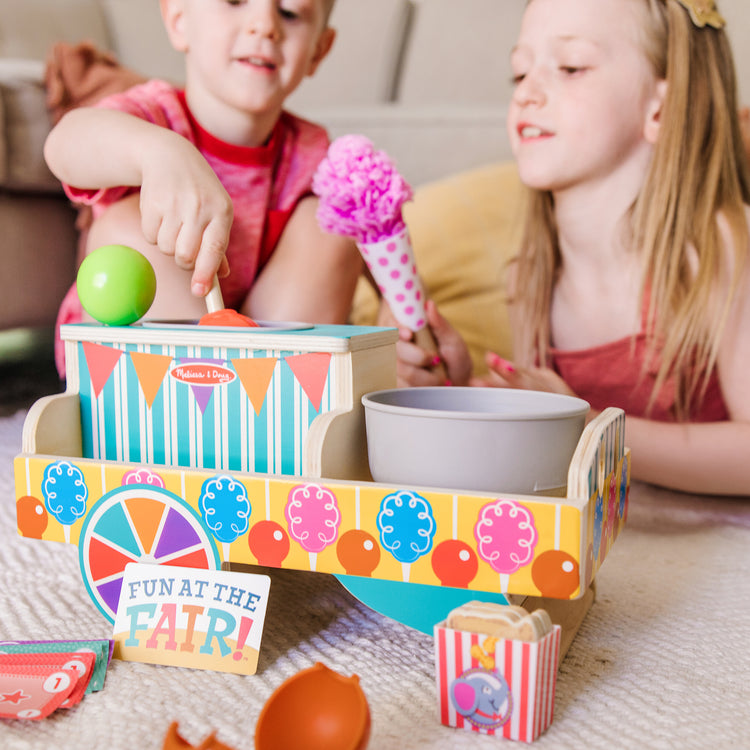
218, 315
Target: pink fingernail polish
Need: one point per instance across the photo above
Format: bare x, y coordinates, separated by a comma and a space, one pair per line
448, 382
498, 361
436, 360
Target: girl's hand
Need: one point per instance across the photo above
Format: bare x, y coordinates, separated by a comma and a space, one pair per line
504, 374
415, 366
185, 210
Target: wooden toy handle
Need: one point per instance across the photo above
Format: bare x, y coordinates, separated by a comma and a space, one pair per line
424, 338
214, 300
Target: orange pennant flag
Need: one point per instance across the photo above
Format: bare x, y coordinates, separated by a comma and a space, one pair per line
150, 369
311, 371
255, 375
100, 360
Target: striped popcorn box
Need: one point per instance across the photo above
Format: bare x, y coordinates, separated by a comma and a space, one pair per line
493, 686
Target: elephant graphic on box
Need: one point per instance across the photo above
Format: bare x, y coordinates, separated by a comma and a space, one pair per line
482, 697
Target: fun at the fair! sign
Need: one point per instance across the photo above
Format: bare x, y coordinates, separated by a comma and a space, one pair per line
205, 619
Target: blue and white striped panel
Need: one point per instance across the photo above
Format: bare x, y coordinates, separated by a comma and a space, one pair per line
227, 435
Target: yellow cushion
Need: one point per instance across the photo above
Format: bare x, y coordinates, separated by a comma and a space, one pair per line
464, 229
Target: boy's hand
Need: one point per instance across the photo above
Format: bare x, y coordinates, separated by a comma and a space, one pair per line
185, 210
415, 366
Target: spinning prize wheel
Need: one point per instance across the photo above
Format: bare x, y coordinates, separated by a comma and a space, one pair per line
136, 523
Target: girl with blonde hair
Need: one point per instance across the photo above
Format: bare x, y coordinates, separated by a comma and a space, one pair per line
632, 286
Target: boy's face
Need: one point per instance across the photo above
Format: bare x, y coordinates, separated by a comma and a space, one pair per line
248, 55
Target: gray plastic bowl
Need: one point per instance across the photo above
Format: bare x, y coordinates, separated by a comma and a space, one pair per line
484, 439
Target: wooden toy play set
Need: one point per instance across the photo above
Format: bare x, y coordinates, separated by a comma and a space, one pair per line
211, 446
208, 447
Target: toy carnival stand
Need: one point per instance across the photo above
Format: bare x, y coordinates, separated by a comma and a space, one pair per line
187, 446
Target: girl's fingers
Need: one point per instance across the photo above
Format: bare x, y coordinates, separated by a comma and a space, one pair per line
412, 355
505, 371
492, 380
407, 376
500, 365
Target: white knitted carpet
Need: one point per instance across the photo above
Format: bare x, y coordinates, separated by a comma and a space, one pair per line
661, 661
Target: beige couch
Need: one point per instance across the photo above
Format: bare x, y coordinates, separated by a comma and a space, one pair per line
427, 80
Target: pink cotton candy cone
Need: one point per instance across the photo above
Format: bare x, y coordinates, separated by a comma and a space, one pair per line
361, 194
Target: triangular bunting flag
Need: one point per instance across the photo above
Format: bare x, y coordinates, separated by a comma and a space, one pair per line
100, 360
255, 375
150, 369
311, 371
202, 395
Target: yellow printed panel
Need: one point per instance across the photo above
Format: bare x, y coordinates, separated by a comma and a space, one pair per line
514, 544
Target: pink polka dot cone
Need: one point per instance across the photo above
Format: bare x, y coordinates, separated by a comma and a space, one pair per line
391, 262
361, 194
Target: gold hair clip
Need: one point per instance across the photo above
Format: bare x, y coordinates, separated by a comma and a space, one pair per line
704, 13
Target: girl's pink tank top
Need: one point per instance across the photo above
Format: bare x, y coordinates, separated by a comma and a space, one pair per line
612, 375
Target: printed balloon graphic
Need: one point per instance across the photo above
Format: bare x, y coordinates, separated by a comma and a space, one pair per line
506, 537
225, 509
269, 542
65, 493
556, 574
359, 552
142, 475
32, 517
612, 503
407, 527
598, 525
455, 563
312, 513
624, 490
589, 565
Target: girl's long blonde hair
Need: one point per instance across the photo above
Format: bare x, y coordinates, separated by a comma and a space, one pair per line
699, 170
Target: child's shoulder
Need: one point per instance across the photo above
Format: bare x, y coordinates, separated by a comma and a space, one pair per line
302, 125
152, 92
735, 234
308, 135
155, 101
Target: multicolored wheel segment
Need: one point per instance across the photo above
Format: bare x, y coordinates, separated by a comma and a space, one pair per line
139, 524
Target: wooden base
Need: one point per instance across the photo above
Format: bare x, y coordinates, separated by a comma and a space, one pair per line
567, 614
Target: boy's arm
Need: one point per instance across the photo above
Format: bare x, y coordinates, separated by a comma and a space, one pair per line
184, 208
311, 275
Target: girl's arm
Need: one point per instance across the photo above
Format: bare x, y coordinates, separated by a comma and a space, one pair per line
706, 458
711, 458
311, 275
184, 208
